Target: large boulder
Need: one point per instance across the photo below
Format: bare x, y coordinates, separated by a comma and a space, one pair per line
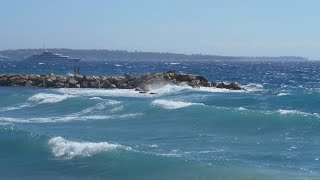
78, 77
184, 78
61, 79
231, 86
60, 85
72, 82
234, 86
107, 85
50, 81
94, 84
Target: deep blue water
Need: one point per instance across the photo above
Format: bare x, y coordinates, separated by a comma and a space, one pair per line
270, 131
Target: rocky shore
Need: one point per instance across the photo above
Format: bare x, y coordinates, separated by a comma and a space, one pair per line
141, 83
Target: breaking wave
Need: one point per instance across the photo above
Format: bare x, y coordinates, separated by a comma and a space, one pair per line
67, 118
284, 94
49, 98
167, 104
12, 108
61, 147
292, 112
103, 92
252, 87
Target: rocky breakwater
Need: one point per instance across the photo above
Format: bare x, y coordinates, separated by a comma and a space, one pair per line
141, 83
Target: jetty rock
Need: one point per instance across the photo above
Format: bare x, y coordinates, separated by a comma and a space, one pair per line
141, 83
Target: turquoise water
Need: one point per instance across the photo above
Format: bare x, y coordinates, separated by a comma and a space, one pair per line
270, 131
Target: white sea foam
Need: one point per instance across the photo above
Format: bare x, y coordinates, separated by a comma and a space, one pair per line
170, 88
284, 94
167, 104
153, 145
242, 109
68, 118
103, 92
96, 98
174, 63
70, 74
217, 90
290, 112
117, 65
12, 108
61, 147
167, 88
159, 89
252, 87
49, 98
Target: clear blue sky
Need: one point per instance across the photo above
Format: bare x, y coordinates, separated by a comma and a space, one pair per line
225, 27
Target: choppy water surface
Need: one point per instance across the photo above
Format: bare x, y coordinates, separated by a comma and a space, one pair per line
270, 131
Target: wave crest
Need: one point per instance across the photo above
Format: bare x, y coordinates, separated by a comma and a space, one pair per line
61, 147
49, 98
167, 104
284, 94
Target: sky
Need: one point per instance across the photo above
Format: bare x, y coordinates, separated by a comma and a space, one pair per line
220, 27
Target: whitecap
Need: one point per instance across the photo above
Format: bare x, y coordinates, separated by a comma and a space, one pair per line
168, 104
174, 63
288, 112
61, 147
103, 92
12, 108
96, 98
284, 94
49, 98
117, 65
70, 74
68, 118
163, 88
252, 87
217, 90
242, 109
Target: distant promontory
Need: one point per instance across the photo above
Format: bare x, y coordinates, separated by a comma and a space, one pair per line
120, 55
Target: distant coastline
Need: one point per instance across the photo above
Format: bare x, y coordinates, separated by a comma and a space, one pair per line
122, 55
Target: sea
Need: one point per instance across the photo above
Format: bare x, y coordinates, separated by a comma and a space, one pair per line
270, 130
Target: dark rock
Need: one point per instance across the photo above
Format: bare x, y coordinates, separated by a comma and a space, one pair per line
4, 81
78, 77
72, 82
29, 83
106, 84
84, 84
202, 79
95, 84
184, 78
61, 79
221, 85
234, 86
60, 85
50, 82
19, 82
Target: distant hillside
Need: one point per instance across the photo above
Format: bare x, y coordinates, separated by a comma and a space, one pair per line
120, 55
